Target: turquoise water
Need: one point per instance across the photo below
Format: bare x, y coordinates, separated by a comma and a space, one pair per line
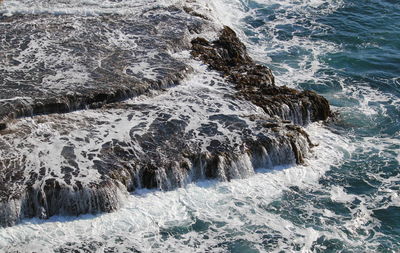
349, 51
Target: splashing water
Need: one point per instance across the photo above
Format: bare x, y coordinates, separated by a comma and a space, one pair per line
347, 197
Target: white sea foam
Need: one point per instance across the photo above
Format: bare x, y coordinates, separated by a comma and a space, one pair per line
263, 41
145, 223
15, 98
339, 195
78, 7
365, 104
148, 219
151, 220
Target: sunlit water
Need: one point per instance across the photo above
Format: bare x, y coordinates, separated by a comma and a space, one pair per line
346, 199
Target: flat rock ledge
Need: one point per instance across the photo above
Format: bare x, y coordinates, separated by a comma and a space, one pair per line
87, 161
62, 63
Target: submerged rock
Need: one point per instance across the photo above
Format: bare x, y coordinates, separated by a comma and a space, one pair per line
85, 161
61, 63
211, 126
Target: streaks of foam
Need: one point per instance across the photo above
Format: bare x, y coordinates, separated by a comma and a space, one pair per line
197, 218
387, 149
76, 139
93, 8
77, 61
284, 35
292, 54
339, 195
368, 101
15, 98
63, 54
286, 31
159, 217
52, 132
77, 7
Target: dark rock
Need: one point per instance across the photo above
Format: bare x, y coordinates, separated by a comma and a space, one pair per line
256, 82
319, 105
83, 162
84, 62
228, 55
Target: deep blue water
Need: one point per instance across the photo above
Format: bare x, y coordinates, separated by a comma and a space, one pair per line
349, 51
346, 199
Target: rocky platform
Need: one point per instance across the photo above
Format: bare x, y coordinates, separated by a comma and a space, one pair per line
225, 119
60, 63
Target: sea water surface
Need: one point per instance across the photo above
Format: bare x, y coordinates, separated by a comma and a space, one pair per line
345, 199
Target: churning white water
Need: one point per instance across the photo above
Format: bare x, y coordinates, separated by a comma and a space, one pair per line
291, 208
200, 217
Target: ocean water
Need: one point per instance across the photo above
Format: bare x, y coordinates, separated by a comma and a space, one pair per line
345, 199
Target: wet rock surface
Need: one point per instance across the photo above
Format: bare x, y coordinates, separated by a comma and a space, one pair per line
210, 126
60, 63
85, 161
256, 83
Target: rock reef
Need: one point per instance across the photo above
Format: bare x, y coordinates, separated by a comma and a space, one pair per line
219, 123
256, 82
61, 63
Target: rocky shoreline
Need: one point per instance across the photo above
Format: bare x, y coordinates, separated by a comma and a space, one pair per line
61, 63
256, 82
219, 127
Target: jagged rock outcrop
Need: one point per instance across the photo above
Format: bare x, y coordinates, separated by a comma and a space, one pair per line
256, 82
211, 127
